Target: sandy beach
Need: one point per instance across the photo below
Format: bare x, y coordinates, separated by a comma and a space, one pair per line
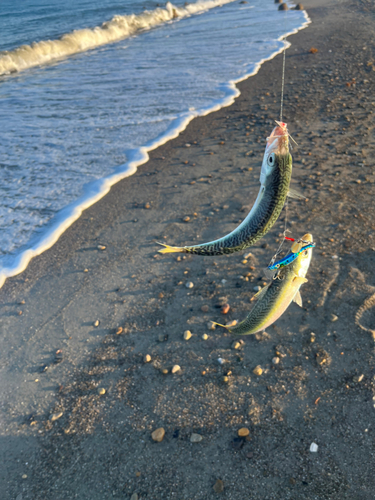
79, 400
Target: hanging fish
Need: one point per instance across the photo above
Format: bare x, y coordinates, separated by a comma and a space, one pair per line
274, 299
275, 177
288, 259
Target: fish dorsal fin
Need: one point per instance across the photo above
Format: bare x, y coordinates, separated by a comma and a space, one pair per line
261, 292
298, 299
293, 193
299, 281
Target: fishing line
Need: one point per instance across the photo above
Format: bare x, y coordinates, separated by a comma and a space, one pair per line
282, 83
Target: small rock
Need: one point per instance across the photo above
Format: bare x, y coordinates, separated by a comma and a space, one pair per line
96, 324
189, 284
147, 205
147, 358
312, 337
334, 318
56, 416
24, 476
257, 288
236, 345
85, 270
101, 247
164, 371
187, 145
299, 6
231, 323
187, 335
313, 447
101, 391
313, 50
58, 356
196, 438
205, 308
258, 370
205, 336
211, 325
276, 360
283, 6
119, 330
176, 368
218, 486
158, 435
358, 378
221, 361
186, 219
225, 379
134, 496
243, 432
225, 309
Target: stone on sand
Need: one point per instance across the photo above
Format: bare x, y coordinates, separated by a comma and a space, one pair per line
218, 486
56, 416
147, 358
158, 435
187, 334
101, 391
258, 370
196, 438
243, 432
176, 368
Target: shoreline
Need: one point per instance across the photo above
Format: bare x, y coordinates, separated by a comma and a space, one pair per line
106, 309
96, 190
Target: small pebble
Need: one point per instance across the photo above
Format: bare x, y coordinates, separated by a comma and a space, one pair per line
101, 247
218, 486
276, 360
55, 416
119, 330
24, 476
158, 435
312, 337
205, 336
164, 371
313, 447
258, 370
225, 309
147, 205
358, 378
196, 438
334, 318
257, 288
243, 432
236, 345
231, 323
96, 323
205, 308
221, 361
134, 496
186, 219
176, 368
85, 270
189, 284
211, 325
225, 379
147, 358
187, 335
101, 391
244, 261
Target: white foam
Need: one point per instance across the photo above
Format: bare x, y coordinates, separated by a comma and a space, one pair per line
118, 28
97, 189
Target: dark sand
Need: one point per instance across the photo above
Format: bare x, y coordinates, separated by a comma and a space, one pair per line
321, 391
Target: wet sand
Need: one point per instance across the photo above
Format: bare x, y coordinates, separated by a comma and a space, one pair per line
105, 273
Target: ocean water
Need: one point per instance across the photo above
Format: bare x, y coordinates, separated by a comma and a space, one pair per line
88, 88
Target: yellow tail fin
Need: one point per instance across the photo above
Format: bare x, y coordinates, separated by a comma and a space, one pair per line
218, 324
169, 249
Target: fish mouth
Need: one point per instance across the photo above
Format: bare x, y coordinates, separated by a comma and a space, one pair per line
278, 141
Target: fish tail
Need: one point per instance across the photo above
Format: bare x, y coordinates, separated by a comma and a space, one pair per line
169, 249
218, 324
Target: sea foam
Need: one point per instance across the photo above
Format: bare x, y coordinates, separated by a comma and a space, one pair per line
118, 28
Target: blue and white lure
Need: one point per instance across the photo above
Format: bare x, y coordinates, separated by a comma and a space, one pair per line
288, 259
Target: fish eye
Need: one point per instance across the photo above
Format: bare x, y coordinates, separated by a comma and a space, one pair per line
305, 253
271, 160
277, 266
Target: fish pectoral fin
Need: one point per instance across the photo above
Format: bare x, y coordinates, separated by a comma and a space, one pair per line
169, 249
298, 299
261, 292
299, 281
293, 193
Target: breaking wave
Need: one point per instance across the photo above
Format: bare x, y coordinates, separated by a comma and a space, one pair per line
118, 28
